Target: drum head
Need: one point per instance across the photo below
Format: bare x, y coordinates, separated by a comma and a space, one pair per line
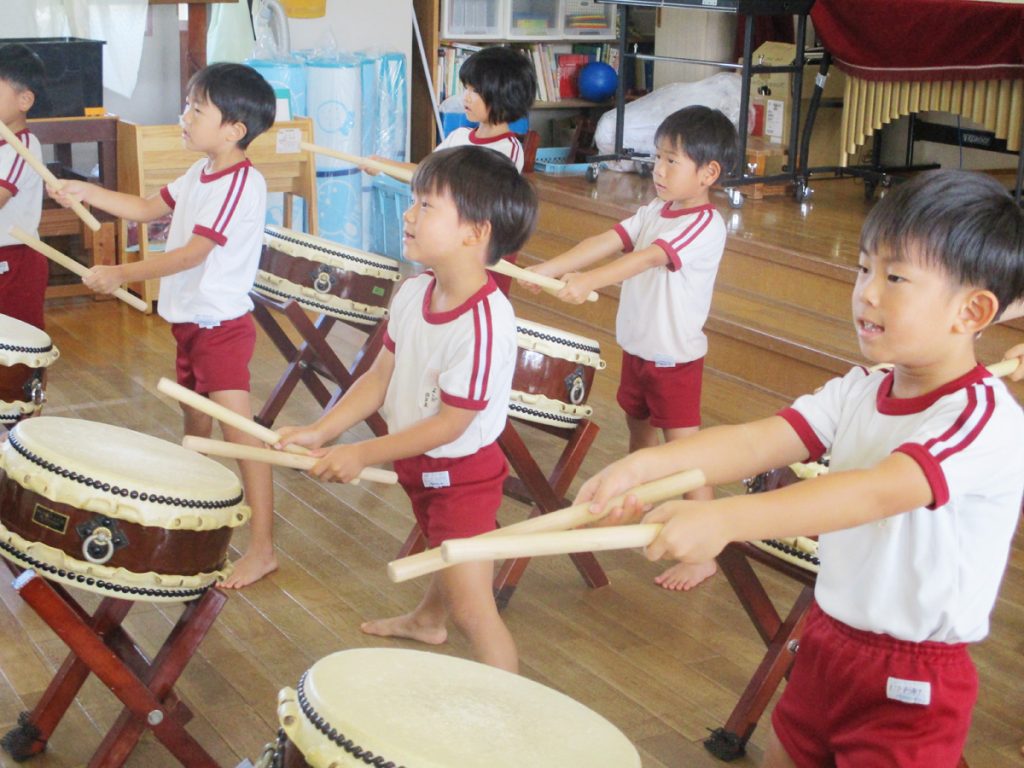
24, 344
100, 467
425, 710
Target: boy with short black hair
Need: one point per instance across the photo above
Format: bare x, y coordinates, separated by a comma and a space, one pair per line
23, 272
921, 500
208, 266
666, 256
442, 381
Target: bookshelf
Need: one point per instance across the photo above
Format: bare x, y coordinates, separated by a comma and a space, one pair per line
554, 24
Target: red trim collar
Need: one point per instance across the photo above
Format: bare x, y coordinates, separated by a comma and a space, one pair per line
903, 406
22, 134
668, 213
474, 139
206, 178
439, 318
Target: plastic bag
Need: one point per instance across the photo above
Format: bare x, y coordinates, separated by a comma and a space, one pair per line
643, 116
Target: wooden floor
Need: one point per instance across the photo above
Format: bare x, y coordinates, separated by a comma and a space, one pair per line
663, 667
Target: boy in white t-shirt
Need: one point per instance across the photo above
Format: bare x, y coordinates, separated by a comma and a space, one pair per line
208, 266
23, 272
442, 382
666, 256
923, 493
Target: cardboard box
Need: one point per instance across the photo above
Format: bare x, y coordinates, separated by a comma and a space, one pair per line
773, 92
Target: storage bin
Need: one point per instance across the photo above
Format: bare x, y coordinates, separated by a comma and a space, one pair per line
556, 160
391, 198
74, 75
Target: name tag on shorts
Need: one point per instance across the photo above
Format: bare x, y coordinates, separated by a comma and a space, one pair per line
206, 323
4, 267
909, 691
436, 479
660, 361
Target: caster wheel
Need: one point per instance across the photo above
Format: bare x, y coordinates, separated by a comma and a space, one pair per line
645, 170
735, 197
592, 172
801, 192
870, 185
886, 182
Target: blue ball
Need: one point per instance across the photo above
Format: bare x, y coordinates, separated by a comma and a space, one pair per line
597, 81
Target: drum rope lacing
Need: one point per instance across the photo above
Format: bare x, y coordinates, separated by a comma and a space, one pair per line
116, 490
336, 736
27, 350
63, 573
558, 340
519, 408
328, 308
328, 251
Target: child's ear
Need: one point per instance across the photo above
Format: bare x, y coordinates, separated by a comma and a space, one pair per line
479, 233
236, 131
978, 311
710, 172
26, 99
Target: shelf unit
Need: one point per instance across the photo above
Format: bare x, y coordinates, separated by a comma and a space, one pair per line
492, 21
527, 20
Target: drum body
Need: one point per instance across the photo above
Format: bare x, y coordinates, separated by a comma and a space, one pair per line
325, 277
799, 550
553, 376
114, 511
25, 353
389, 706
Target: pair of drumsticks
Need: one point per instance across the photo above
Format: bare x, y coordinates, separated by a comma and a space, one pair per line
551, 534
549, 284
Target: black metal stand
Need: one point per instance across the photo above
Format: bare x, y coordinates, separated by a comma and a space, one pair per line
751, 8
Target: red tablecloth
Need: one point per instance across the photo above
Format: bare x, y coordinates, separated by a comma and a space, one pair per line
923, 40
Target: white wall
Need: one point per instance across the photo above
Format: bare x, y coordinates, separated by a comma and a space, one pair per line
358, 25
691, 34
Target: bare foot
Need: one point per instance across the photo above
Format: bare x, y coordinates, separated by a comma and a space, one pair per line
406, 626
684, 576
250, 567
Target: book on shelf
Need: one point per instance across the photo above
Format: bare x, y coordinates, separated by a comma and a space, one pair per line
557, 72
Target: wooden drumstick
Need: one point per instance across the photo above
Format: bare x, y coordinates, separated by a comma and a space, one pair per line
396, 171
549, 284
554, 543
225, 415
665, 488
37, 165
1004, 367
277, 458
71, 265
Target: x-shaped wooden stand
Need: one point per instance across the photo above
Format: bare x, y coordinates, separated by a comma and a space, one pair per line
314, 360
100, 645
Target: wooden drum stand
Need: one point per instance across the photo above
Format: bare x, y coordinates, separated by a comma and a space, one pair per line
100, 645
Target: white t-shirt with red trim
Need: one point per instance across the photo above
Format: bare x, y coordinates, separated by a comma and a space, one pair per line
227, 207
464, 357
931, 573
662, 310
25, 186
507, 144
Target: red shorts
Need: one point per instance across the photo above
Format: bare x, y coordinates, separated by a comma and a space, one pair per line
455, 498
669, 396
851, 700
23, 283
215, 359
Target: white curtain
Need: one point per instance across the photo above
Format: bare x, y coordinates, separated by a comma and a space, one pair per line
121, 23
